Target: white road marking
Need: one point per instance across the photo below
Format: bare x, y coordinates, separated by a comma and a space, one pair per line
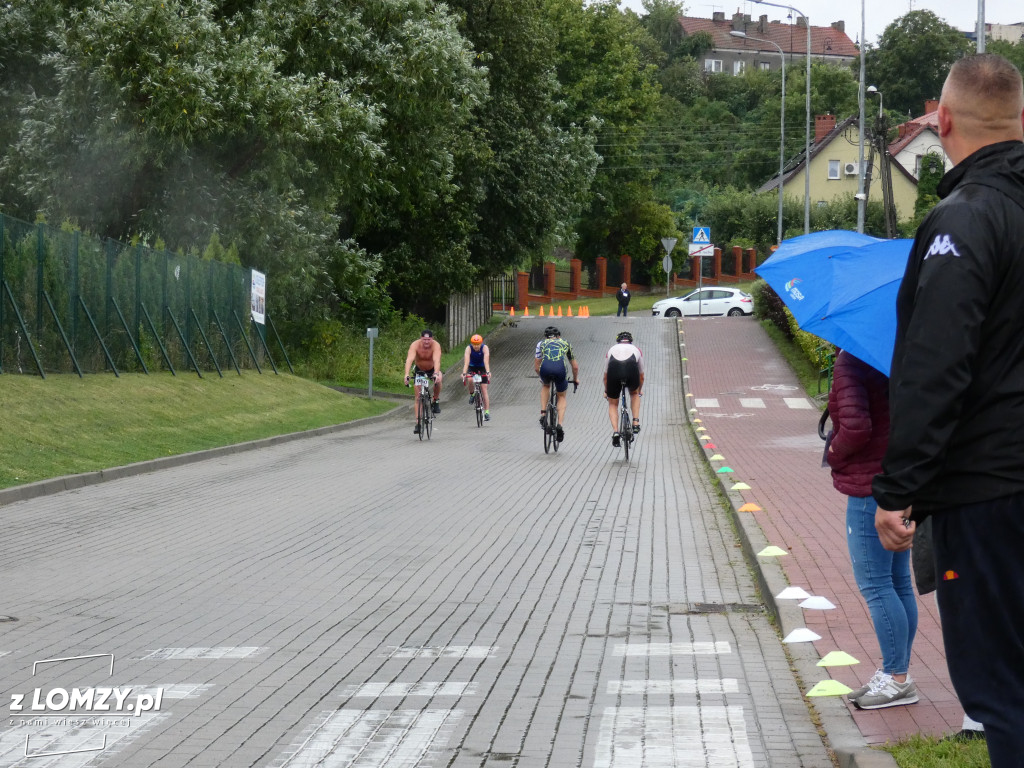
442, 652
221, 652
673, 737
378, 690
676, 687
354, 738
66, 734
672, 649
798, 403
706, 402
752, 402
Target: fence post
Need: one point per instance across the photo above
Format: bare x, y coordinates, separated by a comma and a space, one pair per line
575, 277
627, 268
40, 256
752, 256
522, 290
549, 278
601, 262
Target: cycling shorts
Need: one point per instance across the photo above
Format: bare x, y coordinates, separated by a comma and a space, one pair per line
481, 370
619, 371
553, 372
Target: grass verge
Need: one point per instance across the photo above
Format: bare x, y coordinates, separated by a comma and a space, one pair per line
928, 752
67, 425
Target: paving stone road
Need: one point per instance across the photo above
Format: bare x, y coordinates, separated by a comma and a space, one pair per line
366, 600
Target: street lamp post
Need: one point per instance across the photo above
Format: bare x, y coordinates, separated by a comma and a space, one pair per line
807, 127
862, 198
872, 89
782, 126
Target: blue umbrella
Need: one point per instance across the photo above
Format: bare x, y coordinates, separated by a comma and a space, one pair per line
845, 295
800, 270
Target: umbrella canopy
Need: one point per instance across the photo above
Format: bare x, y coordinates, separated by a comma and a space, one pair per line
800, 270
845, 295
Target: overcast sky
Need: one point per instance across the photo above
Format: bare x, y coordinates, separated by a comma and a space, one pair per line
962, 14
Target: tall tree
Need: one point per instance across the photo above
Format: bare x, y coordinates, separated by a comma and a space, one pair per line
912, 59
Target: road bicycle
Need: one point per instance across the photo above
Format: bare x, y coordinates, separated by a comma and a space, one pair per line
626, 436
551, 418
477, 397
426, 418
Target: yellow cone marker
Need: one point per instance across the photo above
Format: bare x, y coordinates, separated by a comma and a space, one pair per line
829, 688
837, 659
740, 487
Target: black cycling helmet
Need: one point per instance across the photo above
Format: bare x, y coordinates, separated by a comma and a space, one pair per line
551, 331
624, 336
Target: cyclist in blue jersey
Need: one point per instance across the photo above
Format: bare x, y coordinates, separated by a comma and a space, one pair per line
478, 360
552, 355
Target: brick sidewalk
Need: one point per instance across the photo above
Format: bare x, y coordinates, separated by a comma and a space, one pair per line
740, 386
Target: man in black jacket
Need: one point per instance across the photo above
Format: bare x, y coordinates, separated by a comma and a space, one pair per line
956, 444
623, 297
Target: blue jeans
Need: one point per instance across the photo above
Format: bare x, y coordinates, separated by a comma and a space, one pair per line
883, 579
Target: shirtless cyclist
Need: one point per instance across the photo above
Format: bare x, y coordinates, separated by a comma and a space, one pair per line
425, 357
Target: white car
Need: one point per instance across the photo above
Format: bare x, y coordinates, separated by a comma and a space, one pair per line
707, 301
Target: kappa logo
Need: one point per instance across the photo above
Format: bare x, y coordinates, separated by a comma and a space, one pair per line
941, 246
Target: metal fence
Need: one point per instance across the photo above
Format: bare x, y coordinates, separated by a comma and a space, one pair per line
70, 303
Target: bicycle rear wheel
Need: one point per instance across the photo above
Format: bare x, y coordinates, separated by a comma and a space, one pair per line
479, 413
427, 409
422, 421
625, 427
550, 419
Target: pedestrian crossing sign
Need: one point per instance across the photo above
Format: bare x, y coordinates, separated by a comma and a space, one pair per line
701, 234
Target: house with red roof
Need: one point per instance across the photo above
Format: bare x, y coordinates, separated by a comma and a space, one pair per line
733, 55
918, 137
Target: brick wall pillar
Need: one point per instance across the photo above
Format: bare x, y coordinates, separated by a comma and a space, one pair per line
602, 272
575, 276
549, 278
696, 268
751, 259
717, 268
522, 289
627, 268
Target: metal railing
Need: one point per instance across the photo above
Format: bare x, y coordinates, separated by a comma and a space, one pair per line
70, 303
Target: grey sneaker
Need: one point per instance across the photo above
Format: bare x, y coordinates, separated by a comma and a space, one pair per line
857, 693
886, 692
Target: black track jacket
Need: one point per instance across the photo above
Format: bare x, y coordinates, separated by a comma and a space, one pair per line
957, 379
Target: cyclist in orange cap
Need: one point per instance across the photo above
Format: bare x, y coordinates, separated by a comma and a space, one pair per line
478, 360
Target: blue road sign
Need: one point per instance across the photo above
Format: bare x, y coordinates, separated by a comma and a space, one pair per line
701, 235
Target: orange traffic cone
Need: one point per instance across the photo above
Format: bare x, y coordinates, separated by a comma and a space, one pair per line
511, 311
569, 310
551, 311
559, 310
526, 311
542, 311
588, 310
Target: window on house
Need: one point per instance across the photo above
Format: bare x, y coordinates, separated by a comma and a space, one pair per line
738, 67
833, 169
764, 65
712, 65
917, 166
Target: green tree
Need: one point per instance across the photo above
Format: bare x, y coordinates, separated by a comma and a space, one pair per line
932, 168
912, 59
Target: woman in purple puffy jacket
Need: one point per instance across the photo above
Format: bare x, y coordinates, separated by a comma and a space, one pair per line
859, 407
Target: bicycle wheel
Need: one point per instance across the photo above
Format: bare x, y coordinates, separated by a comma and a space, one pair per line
553, 421
479, 412
549, 430
625, 427
427, 409
422, 420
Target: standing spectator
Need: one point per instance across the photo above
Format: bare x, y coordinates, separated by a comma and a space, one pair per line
956, 448
623, 297
859, 406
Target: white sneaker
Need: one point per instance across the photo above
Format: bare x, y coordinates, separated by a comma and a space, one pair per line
887, 692
857, 693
